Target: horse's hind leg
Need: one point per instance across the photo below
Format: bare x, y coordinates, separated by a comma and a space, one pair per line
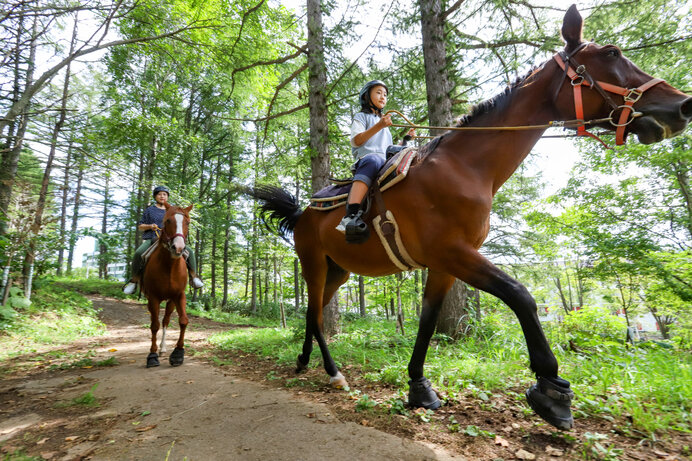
323, 278
421, 393
153, 357
166, 320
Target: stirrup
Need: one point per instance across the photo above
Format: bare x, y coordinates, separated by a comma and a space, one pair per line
357, 231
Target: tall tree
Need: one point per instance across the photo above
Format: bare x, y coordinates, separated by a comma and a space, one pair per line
319, 148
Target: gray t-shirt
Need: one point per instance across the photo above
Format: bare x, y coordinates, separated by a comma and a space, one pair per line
377, 144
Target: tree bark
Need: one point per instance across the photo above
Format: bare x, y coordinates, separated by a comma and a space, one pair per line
319, 152
296, 283
440, 114
63, 209
10, 155
75, 212
103, 247
43, 194
361, 295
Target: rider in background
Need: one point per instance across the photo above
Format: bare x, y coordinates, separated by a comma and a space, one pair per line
370, 138
152, 219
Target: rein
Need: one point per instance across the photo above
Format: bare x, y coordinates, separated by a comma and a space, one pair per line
578, 77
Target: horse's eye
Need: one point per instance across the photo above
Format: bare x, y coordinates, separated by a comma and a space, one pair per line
613, 52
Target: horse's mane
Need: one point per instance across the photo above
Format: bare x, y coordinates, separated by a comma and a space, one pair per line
498, 102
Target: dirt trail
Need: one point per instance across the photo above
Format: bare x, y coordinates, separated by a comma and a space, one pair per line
193, 412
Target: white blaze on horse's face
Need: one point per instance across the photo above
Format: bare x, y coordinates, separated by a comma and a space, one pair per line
178, 241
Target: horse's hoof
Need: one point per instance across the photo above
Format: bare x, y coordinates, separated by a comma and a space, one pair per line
338, 381
177, 356
550, 398
421, 394
153, 360
300, 366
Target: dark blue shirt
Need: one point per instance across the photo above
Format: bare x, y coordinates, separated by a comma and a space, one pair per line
152, 215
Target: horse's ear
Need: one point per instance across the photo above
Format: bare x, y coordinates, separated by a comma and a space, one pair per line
572, 28
188, 209
167, 205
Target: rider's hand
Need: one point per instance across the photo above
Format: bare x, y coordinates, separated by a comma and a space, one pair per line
385, 121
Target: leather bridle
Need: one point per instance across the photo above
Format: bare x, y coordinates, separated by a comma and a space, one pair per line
169, 239
580, 77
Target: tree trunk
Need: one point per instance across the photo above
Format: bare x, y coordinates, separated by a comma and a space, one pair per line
558, 284
435, 60
10, 155
361, 295
213, 266
454, 318
103, 247
63, 209
296, 283
43, 194
440, 114
75, 212
253, 269
319, 153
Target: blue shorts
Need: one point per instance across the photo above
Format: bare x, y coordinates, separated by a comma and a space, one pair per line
367, 167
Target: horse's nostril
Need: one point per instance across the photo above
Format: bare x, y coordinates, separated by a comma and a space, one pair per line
686, 108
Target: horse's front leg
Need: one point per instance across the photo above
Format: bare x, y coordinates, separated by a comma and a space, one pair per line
177, 356
551, 396
170, 307
153, 358
421, 393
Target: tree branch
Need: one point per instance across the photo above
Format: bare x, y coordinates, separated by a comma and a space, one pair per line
280, 60
452, 9
276, 94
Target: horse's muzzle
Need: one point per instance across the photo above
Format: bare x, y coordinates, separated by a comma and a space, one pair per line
661, 121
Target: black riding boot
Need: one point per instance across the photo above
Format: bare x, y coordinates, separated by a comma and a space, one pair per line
353, 226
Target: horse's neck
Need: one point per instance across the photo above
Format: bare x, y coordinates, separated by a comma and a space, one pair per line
499, 153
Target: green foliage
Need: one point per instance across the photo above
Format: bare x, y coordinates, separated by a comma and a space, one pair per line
57, 315
594, 448
647, 388
365, 403
92, 286
593, 325
19, 455
87, 399
86, 363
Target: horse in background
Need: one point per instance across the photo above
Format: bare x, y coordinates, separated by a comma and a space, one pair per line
165, 279
443, 207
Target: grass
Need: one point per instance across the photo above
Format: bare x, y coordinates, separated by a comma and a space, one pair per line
87, 399
647, 390
92, 286
57, 315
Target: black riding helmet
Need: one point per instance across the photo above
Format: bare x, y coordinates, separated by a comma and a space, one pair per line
158, 189
364, 95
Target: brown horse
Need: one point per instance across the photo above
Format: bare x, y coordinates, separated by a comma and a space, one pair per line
443, 206
165, 278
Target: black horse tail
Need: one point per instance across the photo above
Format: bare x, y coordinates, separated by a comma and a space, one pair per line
280, 210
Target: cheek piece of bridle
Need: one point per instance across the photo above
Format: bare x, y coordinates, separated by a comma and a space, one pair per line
579, 77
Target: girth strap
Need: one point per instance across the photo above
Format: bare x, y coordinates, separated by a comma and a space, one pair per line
387, 230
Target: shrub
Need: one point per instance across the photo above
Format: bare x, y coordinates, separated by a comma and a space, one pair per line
591, 324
